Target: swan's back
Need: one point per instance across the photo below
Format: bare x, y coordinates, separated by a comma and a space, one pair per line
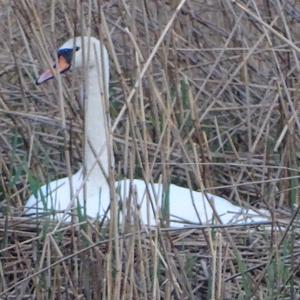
186, 207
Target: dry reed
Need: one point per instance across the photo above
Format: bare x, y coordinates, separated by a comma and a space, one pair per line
205, 93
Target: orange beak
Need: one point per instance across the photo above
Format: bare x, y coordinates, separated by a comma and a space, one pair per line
63, 66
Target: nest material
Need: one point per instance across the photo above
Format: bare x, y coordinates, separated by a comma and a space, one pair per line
80, 261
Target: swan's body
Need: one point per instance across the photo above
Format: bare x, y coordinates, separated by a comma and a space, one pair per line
185, 206
183, 202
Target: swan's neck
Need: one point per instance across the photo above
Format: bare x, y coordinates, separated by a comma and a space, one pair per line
96, 131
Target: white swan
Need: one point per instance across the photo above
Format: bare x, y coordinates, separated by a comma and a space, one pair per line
185, 206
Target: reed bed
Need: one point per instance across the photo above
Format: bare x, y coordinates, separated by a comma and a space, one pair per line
204, 94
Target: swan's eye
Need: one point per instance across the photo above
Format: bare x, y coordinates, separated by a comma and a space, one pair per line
67, 53
77, 48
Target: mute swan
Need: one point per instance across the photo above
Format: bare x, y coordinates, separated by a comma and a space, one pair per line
185, 206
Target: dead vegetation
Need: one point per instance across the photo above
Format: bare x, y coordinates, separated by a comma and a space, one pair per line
203, 92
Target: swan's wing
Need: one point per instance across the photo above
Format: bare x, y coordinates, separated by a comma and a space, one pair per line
50, 197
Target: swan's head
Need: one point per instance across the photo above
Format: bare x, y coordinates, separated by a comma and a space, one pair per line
77, 53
